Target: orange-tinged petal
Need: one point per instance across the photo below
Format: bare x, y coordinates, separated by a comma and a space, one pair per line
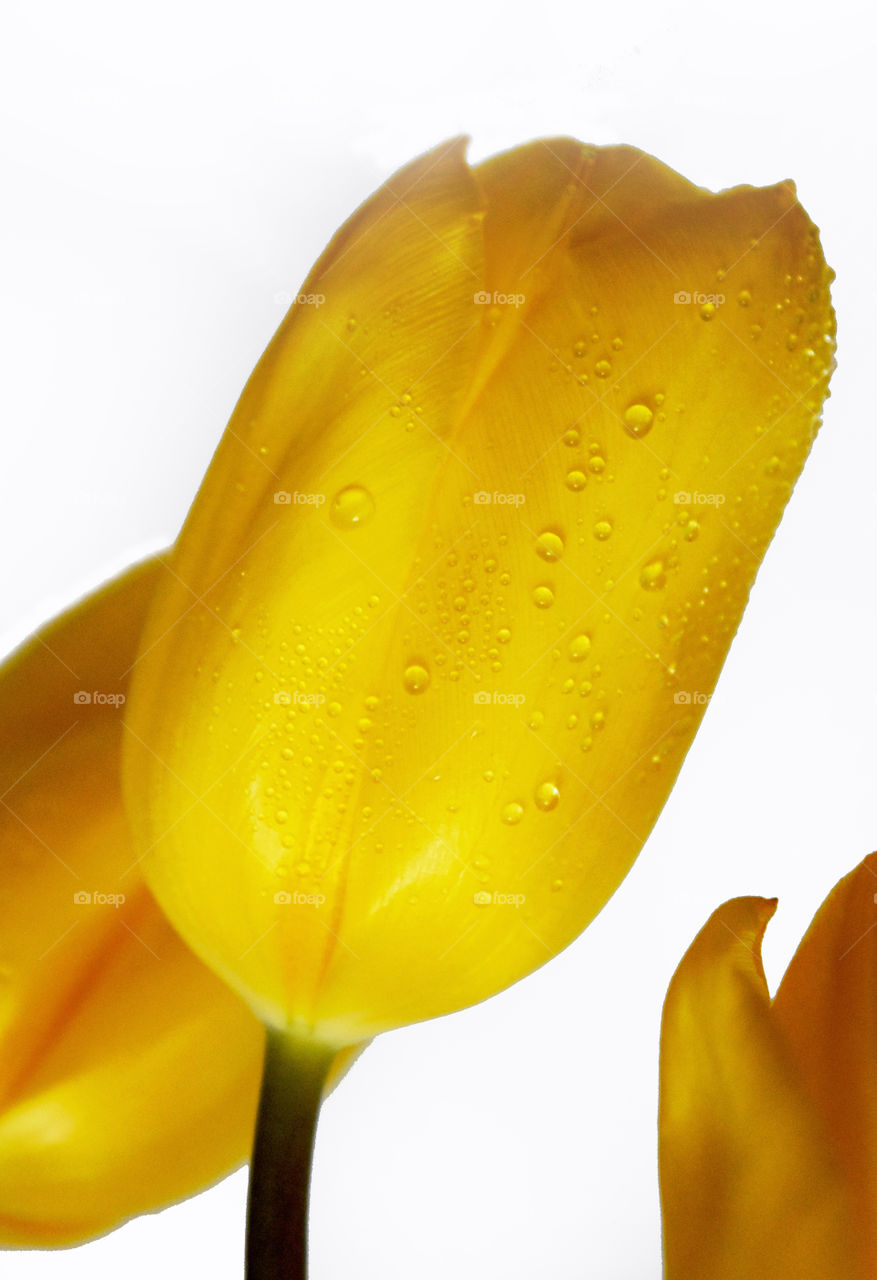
749, 1184
128, 1073
826, 1008
438, 712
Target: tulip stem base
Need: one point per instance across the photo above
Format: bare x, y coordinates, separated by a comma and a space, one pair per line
293, 1079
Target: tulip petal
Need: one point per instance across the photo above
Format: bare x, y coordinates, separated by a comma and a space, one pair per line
749, 1185
826, 1009
129, 1074
413, 736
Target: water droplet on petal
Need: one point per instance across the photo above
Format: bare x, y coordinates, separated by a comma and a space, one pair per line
549, 545
603, 530
580, 648
352, 506
638, 420
576, 480
652, 577
543, 597
547, 796
512, 814
416, 678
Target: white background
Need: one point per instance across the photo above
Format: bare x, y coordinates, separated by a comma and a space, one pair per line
167, 170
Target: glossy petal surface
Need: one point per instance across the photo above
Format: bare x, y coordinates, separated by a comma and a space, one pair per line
826, 1010
128, 1072
462, 575
749, 1183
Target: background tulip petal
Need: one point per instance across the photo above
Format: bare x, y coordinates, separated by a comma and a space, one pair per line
749, 1185
826, 1009
128, 1073
396, 740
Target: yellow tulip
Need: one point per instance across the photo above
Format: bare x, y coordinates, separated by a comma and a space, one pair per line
129, 1074
768, 1112
460, 579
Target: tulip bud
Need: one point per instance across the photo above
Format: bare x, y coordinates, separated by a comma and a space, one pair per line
457, 587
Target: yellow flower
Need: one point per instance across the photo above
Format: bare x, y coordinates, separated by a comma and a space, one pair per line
128, 1073
768, 1111
460, 579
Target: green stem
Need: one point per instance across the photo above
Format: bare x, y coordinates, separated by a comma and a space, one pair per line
277, 1209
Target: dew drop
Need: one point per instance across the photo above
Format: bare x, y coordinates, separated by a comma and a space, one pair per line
352, 506
638, 420
652, 577
549, 545
571, 437
416, 678
543, 597
576, 480
512, 814
547, 796
707, 311
602, 530
744, 297
602, 368
580, 648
